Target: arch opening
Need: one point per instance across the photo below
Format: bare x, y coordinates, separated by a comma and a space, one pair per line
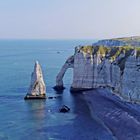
69, 64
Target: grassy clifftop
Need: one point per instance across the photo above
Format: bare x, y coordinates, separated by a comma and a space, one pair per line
133, 41
112, 48
128, 39
110, 52
115, 54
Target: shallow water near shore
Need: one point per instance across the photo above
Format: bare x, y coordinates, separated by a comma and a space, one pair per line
40, 120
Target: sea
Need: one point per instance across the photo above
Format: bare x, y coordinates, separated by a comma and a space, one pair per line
40, 119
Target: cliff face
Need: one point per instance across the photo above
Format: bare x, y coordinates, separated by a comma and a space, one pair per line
117, 67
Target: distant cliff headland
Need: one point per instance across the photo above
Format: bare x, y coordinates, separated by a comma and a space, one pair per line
112, 63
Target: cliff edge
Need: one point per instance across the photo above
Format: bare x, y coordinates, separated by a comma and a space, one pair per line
113, 63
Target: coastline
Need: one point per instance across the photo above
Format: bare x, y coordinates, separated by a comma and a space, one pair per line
121, 119
95, 117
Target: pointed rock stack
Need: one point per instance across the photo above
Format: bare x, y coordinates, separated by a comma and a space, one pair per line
37, 89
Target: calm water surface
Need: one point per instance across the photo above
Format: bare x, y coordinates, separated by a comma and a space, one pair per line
40, 120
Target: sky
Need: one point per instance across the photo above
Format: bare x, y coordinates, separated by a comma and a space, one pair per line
69, 19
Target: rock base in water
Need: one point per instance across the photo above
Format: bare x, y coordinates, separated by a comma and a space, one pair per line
37, 88
31, 97
78, 90
55, 97
58, 88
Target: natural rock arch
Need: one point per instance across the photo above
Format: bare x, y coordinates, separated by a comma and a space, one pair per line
59, 78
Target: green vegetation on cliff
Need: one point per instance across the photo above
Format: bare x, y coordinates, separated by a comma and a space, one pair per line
138, 52
87, 49
110, 52
103, 51
115, 54
129, 40
126, 41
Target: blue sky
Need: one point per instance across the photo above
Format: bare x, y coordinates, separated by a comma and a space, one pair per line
69, 19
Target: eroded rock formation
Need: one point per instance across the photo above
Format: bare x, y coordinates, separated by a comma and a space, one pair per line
59, 79
116, 67
37, 89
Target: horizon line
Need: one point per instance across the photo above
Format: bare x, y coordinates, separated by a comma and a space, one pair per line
103, 38
48, 39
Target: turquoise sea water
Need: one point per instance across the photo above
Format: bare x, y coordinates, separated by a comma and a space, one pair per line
40, 120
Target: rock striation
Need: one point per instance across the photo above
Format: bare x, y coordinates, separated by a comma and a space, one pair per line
37, 89
102, 65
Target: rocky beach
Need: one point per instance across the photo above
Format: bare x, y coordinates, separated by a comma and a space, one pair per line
121, 118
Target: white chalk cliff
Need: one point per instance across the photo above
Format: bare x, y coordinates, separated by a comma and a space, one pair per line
116, 67
59, 79
37, 89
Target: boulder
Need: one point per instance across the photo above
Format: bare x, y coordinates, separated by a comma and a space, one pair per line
64, 109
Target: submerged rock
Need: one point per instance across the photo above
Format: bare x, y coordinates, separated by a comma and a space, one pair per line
53, 97
64, 109
37, 89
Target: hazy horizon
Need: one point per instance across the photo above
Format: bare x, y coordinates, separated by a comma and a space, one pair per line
80, 19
